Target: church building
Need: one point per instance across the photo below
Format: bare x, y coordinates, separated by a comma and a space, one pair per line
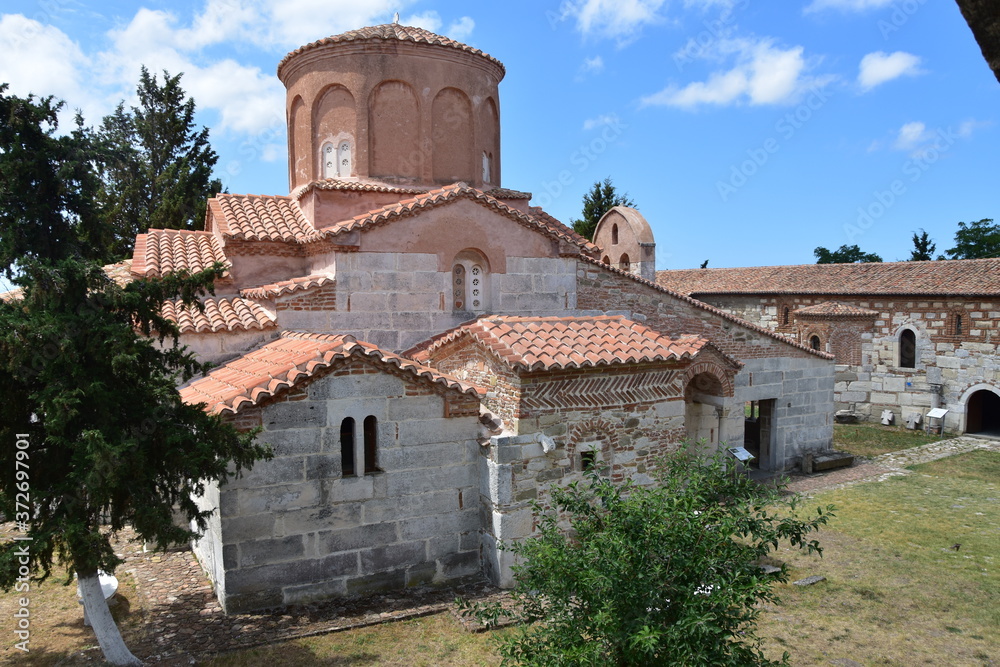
428, 353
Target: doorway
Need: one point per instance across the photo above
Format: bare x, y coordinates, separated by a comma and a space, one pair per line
982, 413
758, 432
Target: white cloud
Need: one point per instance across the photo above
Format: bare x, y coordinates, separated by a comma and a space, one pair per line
763, 74
595, 65
879, 67
847, 5
617, 19
461, 29
429, 20
911, 136
601, 121
43, 60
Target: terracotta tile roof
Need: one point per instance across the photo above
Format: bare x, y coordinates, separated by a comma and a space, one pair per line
289, 360
120, 272
835, 309
354, 186
544, 223
706, 307
220, 314
262, 218
388, 32
958, 277
549, 221
507, 193
162, 251
287, 286
552, 343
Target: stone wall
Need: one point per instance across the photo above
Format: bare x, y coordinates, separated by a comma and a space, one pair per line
295, 529
800, 383
946, 358
623, 434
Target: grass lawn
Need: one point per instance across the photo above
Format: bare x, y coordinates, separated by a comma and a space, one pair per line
897, 593
873, 439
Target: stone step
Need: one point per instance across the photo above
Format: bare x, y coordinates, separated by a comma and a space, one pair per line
832, 461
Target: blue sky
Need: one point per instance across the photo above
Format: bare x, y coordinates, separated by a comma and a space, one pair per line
747, 132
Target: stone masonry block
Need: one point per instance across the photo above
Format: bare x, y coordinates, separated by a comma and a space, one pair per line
421, 456
416, 407
278, 575
426, 480
279, 470
314, 592
323, 466
442, 524
276, 550
427, 431
324, 517
349, 489
245, 528
360, 537
393, 556
278, 498
377, 582
294, 414
380, 385
287, 442
424, 504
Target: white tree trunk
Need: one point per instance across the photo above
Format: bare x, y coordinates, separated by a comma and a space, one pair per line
96, 609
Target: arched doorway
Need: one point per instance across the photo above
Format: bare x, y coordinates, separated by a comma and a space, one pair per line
982, 413
704, 401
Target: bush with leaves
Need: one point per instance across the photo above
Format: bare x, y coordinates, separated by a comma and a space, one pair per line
667, 574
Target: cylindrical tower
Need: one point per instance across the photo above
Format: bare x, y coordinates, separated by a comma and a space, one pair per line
392, 103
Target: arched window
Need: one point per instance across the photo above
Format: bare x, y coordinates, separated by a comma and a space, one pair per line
624, 263
371, 445
347, 447
470, 282
815, 343
957, 328
606, 260
614, 234
907, 349
785, 315
486, 167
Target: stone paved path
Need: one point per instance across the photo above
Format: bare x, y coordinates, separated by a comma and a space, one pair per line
184, 622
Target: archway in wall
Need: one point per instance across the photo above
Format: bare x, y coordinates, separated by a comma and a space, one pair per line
982, 413
703, 404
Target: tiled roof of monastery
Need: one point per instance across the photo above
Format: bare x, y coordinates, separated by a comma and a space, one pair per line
706, 307
120, 272
293, 358
507, 193
539, 214
552, 343
940, 278
834, 309
406, 207
162, 251
262, 218
220, 314
287, 286
388, 32
354, 186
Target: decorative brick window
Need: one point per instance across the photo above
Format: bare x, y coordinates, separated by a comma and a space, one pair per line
470, 282
815, 343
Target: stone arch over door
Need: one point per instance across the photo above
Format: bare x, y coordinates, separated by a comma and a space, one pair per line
394, 132
454, 140
982, 409
705, 388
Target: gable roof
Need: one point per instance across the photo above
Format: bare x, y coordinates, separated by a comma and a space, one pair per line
451, 193
701, 305
162, 251
287, 286
291, 359
354, 186
220, 314
554, 343
262, 218
834, 309
953, 277
390, 32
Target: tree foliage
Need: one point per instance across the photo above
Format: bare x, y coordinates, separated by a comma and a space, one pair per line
158, 173
976, 240
845, 254
90, 370
601, 198
661, 575
923, 247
